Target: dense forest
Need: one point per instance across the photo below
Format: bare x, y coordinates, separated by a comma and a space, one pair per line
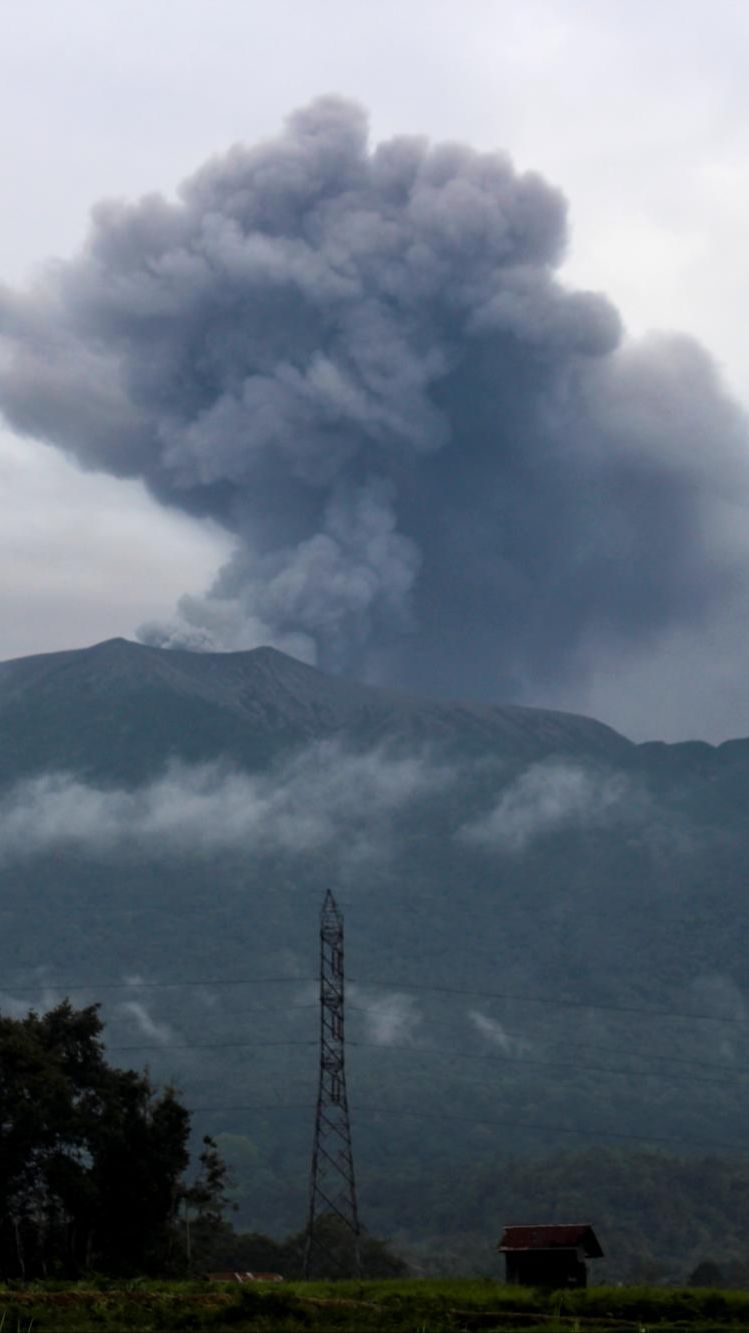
658, 1216
95, 1175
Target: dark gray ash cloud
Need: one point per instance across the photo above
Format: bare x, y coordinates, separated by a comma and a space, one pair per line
442, 468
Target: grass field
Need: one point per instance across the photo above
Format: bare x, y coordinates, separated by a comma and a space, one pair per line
412, 1306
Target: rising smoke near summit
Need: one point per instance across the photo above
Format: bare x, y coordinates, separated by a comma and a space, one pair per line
441, 466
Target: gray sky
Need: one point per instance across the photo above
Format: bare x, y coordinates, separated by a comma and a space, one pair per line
638, 112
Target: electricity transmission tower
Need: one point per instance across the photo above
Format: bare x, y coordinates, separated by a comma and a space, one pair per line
333, 1232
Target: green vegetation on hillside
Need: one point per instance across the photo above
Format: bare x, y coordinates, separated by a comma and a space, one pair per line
657, 1217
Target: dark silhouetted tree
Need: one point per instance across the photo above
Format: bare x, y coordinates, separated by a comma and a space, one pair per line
92, 1158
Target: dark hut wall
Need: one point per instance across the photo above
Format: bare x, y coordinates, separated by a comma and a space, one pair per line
546, 1268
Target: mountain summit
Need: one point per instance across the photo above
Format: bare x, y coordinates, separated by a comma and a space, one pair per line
121, 709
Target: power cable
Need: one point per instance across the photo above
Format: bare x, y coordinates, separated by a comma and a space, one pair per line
548, 999
207, 1045
553, 1129
532, 1126
155, 985
588, 1045
556, 1001
571, 1069
567, 1067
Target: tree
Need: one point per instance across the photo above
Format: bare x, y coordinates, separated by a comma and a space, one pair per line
706, 1274
92, 1158
338, 1258
204, 1204
220, 1247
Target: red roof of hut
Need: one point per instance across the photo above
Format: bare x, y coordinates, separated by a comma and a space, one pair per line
572, 1236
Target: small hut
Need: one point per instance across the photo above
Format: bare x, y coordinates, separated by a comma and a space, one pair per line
549, 1256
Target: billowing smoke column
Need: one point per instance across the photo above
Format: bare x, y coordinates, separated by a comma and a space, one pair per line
440, 465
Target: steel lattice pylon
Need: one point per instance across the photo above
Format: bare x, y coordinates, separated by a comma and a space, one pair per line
333, 1213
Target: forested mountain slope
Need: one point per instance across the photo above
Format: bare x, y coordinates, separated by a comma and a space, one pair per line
545, 923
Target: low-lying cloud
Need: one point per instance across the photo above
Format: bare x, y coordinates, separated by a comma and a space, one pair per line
546, 798
497, 1034
322, 796
391, 1019
146, 1024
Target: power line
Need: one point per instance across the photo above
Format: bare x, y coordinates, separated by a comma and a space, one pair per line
535, 1126
155, 985
552, 1000
555, 1001
206, 1045
530, 1126
653, 1055
136, 987
568, 1067
408, 987
264, 1009
571, 1069
273, 1106
589, 1045
740, 1070
165, 1047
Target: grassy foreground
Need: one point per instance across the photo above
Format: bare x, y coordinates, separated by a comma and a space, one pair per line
403, 1306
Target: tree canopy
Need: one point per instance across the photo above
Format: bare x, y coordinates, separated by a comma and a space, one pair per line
92, 1158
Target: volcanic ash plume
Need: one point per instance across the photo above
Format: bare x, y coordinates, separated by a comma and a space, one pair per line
440, 465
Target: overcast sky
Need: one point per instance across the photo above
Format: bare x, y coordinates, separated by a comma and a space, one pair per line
637, 111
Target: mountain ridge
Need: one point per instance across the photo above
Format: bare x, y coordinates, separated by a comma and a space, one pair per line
267, 694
